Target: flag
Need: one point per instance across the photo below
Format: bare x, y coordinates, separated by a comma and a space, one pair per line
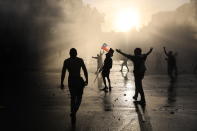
105, 47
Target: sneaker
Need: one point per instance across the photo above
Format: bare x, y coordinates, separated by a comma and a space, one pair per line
105, 88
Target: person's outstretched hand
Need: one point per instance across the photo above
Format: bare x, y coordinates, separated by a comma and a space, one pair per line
86, 83
118, 50
151, 48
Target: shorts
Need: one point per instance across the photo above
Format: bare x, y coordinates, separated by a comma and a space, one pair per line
105, 73
76, 86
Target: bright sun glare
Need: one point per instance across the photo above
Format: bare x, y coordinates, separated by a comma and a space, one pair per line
127, 19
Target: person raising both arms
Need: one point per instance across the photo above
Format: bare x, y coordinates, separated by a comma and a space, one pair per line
138, 60
171, 61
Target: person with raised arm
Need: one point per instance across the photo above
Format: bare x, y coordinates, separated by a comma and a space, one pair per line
171, 63
138, 60
99, 59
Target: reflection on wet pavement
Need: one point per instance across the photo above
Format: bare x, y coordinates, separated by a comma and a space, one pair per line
112, 110
103, 111
172, 93
169, 105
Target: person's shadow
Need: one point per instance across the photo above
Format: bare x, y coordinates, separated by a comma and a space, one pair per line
144, 119
73, 127
107, 103
171, 94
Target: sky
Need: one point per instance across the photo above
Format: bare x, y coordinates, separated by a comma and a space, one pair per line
145, 9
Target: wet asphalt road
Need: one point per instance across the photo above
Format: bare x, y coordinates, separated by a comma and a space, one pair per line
172, 106
99, 110
169, 107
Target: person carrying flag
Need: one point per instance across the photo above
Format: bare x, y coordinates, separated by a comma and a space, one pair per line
106, 69
99, 59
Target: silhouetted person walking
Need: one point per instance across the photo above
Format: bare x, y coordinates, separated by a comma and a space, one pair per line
172, 67
106, 69
75, 81
124, 63
138, 60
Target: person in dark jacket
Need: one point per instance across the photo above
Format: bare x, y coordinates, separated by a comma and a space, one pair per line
108, 62
138, 60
